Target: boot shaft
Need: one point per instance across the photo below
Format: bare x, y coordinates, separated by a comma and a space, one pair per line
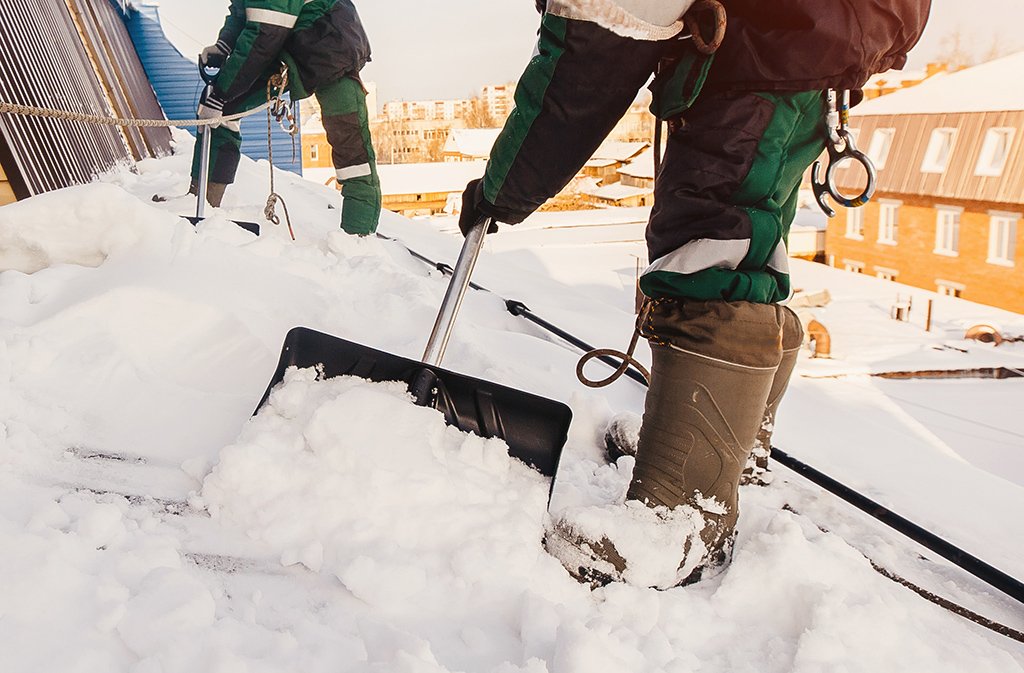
713, 364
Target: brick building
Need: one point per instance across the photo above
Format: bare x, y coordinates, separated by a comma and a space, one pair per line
950, 196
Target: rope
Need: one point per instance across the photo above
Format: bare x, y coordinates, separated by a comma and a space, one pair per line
32, 111
627, 357
276, 108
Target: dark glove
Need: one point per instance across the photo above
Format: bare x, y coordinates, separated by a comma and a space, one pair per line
214, 56
542, 6
471, 213
211, 105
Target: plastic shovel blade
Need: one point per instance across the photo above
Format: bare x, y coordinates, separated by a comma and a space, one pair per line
535, 428
248, 226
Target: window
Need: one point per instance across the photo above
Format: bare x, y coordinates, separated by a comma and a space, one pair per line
1002, 239
852, 266
314, 152
885, 275
855, 223
994, 152
881, 142
940, 146
888, 222
948, 288
947, 232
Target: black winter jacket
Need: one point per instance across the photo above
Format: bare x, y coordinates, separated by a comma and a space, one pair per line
804, 45
587, 72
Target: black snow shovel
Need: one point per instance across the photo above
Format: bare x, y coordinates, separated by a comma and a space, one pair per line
204, 133
535, 428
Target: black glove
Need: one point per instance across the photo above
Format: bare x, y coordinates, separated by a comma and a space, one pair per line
542, 6
471, 213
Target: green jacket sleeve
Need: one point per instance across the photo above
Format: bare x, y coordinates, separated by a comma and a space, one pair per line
268, 23
571, 95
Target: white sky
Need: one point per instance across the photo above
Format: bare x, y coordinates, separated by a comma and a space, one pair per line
450, 48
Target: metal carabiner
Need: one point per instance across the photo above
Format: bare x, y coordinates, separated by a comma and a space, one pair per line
841, 147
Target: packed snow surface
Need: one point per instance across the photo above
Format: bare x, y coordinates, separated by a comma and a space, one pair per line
149, 523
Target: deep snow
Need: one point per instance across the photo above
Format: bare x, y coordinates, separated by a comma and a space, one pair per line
147, 523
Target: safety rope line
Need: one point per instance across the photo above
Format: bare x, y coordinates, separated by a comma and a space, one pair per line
627, 357
32, 111
276, 108
944, 603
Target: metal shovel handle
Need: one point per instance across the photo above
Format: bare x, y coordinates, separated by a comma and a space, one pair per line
457, 287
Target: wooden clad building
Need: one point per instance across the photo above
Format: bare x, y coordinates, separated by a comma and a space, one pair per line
72, 55
947, 212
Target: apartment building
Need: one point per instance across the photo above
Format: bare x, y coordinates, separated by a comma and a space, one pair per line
950, 195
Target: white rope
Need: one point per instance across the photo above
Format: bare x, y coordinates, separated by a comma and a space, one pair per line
29, 110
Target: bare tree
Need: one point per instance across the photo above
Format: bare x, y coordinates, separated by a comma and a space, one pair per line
478, 116
389, 140
960, 50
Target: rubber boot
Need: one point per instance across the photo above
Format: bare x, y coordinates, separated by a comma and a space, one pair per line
713, 363
756, 470
214, 191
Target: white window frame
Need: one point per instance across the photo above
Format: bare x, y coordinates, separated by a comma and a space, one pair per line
886, 273
314, 152
940, 148
853, 266
855, 223
949, 288
881, 143
888, 222
947, 231
994, 152
1002, 238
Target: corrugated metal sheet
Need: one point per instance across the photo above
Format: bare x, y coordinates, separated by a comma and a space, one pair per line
903, 175
72, 55
122, 75
178, 86
44, 63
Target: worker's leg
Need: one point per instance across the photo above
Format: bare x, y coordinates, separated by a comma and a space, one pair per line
225, 152
345, 119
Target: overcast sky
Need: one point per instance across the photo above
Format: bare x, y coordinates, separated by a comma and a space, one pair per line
443, 49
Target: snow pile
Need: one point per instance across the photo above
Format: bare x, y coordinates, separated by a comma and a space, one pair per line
406, 513
149, 523
72, 227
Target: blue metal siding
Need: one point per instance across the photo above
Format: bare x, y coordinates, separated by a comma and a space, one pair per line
177, 85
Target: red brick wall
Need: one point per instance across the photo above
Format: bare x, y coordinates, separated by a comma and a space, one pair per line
914, 255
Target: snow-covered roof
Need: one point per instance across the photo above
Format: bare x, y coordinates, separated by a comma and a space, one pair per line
619, 151
147, 516
808, 219
990, 87
471, 142
617, 191
891, 77
642, 166
432, 178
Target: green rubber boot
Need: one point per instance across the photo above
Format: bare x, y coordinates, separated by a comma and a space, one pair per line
756, 470
713, 363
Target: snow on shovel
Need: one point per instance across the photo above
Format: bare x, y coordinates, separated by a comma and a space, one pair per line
535, 428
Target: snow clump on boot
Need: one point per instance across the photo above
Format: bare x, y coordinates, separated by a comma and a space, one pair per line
630, 542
